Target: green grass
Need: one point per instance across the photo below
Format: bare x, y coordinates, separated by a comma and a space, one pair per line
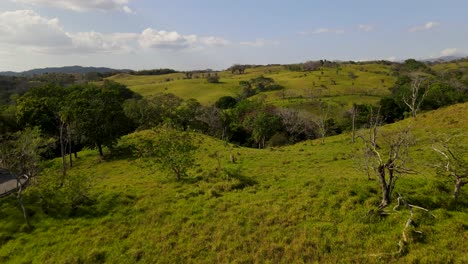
305, 203
372, 80
449, 66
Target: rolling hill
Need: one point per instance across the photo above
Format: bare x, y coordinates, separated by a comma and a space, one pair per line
66, 69
305, 203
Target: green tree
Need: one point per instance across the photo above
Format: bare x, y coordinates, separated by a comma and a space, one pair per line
188, 113
262, 83
20, 153
153, 110
98, 113
226, 102
166, 147
212, 79
43, 106
263, 126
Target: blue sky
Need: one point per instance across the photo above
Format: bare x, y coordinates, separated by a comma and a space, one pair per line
144, 34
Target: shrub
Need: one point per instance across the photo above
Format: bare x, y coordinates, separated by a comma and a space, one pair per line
212, 78
172, 150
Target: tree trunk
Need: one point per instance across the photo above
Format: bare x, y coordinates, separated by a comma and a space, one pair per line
20, 202
458, 185
62, 151
385, 188
100, 149
70, 146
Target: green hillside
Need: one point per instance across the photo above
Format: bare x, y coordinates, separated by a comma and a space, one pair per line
370, 80
306, 203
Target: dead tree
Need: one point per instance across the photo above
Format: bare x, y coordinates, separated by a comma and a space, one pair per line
389, 160
406, 234
416, 96
409, 228
19, 186
374, 123
321, 120
453, 161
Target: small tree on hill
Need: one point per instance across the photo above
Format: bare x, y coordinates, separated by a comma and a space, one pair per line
212, 79
172, 150
415, 96
20, 154
452, 162
263, 126
388, 160
321, 120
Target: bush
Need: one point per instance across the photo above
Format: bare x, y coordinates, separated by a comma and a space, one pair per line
62, 196
212, 79
226, 102
279, 139
172, 150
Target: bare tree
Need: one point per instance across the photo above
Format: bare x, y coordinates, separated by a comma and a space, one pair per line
453, 161
212, 117
321, 120
296, 123
375, 121
390, 161
416, 95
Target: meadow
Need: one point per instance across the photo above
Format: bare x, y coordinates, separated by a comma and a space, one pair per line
305, 203
371, 81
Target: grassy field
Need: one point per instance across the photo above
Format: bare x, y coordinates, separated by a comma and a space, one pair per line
334, 85
370, 80
306, 203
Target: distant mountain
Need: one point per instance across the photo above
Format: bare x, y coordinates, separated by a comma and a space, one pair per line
66, 69
444, 59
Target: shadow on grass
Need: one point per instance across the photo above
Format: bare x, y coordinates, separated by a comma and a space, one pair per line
97, 205
242, 180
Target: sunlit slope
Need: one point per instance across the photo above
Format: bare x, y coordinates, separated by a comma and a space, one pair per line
297, 204
347, 80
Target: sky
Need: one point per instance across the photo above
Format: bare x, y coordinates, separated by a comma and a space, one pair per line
202, 34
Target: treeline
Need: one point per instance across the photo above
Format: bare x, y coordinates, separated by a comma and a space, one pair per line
420, 88
96, 115
153, 72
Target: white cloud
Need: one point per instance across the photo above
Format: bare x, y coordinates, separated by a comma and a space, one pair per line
365, 28
429, 25
213, 41
452, 52
128, 10
95, 42
328, 30
82, 5
27, 28
151, 38
259, 43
